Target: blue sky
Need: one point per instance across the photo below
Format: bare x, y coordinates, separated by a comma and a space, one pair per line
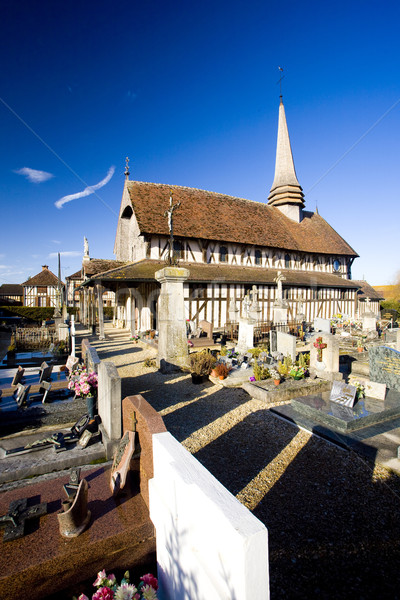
189, 92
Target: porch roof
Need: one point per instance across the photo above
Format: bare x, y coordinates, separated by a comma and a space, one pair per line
143, 272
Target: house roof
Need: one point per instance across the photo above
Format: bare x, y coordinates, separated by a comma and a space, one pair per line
11, 289
99, 265
45, 277
144, 270
77, 275
389, 292
367, 291
212, 216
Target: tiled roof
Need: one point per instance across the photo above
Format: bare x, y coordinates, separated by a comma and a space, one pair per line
45, 277
212, 216
389, 292
202, 273
77, 275
99, 265
11, 289
367, 291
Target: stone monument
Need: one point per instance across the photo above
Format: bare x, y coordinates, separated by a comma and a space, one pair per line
173, 353
280, 305
324, 356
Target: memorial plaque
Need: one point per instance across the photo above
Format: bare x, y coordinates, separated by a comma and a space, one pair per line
384, 366
18, 513
343, 393
18, 376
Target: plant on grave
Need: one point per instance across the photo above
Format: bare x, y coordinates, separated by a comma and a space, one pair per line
149, 363
319, 345
360, 393
274, 374
303, 360
223, 351
297, 372
201, 363
221, 370
84, 384
255, 352
260, 372
109, 589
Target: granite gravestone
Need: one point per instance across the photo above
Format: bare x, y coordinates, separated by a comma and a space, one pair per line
343, 393
384, 366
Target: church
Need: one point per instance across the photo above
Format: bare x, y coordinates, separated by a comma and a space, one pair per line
229, 245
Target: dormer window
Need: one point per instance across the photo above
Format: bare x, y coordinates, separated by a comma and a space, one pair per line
223, 254
257, 257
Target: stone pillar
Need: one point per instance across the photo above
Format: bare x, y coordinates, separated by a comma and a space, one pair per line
173, 352
101, 312
109, 405
72, 335
85, 319
131, 323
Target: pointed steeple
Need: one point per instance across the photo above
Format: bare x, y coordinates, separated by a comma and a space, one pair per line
286, 192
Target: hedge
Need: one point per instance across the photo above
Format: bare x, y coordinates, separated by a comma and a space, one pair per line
33, 313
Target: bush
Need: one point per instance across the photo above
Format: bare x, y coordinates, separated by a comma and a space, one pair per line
108, 312
260, 372
222, 370
201, 363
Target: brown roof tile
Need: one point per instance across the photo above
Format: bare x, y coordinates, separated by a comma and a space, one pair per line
367, 291
201, 273
212, 216
45, 277
100, 265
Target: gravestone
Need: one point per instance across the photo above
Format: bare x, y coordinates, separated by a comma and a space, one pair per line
343, 393
245, 335
328, 367
45, 372
280, 308
384, 366
373, 389
322, 325
272, 341
286, 344
18, 376
109, 405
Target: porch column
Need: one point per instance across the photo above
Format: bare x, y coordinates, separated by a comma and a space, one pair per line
85, 306
100, 290
132, 312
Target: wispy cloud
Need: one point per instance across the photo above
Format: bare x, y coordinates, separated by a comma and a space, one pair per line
56, 241
66, 253
34, 175
4, 267
90, 189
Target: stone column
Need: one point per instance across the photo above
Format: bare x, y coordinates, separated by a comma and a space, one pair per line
101, 312
132, 312
173, 352
85, 315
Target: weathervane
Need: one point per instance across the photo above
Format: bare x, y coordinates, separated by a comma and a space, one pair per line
280, 80
170, 215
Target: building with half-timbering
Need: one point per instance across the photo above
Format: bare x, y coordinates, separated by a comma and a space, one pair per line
229, 245
43, 289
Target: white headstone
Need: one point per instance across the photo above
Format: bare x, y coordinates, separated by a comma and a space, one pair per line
322, 325
286, 344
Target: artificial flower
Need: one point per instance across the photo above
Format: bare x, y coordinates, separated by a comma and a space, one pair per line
126, 591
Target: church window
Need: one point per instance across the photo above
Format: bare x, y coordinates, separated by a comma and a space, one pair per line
257, 257
287, 261
127, 213
223, 254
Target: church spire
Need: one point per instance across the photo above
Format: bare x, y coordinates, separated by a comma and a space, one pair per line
286, 192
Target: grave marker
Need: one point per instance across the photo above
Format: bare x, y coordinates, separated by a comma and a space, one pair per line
384, 366
343, 393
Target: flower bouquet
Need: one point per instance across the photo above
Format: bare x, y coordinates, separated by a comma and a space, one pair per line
84, 385
320, 345
297, 372
108, 588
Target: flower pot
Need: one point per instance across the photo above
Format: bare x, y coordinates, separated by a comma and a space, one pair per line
196, 378
360, 349
214, 373
221, 377
277, 381
91, 406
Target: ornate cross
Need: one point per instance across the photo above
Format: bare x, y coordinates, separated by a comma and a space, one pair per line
18, 513
170, 215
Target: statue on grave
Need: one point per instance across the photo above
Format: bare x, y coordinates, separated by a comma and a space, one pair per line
279, 301
85, 246
246, 305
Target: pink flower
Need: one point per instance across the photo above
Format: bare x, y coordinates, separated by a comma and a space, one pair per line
103, 593
101, 575
149, 579
83, 597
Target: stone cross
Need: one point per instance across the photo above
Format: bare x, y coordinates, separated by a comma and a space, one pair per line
278, 280
18, 514
246, 304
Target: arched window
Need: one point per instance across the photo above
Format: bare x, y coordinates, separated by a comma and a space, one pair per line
128, 212
287, 261
257, 257
223, 254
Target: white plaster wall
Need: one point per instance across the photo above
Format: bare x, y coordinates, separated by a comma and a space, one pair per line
209, 546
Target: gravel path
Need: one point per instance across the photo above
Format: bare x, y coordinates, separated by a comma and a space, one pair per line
333, 519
